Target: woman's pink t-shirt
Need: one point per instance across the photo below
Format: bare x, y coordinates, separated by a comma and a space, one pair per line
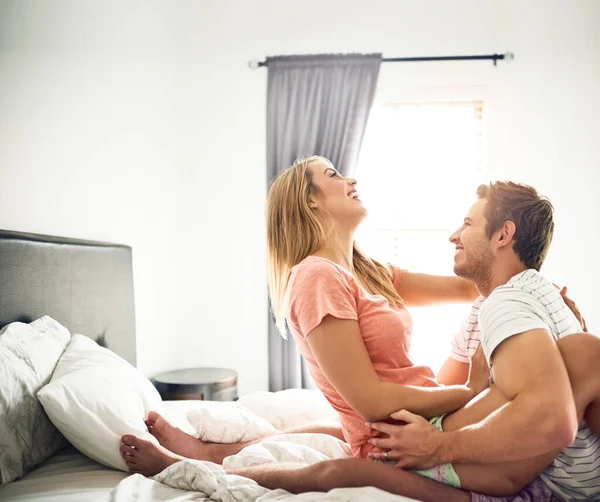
320, 287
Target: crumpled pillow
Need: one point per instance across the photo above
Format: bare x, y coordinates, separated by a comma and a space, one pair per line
259, 414
29, 354
228, 424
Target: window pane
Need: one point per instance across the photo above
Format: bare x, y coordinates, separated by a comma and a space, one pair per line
420, 164
419, 167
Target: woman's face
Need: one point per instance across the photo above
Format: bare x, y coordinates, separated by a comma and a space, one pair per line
338, 196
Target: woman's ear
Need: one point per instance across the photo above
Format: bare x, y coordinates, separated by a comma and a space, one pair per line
312, 204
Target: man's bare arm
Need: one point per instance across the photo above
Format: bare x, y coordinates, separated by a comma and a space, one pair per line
540, 416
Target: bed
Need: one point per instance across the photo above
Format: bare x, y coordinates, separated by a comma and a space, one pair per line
87, 287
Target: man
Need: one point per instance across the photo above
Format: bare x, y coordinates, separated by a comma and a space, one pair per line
502, 243
511, 432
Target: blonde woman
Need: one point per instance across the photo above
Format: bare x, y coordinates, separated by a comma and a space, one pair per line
347, 314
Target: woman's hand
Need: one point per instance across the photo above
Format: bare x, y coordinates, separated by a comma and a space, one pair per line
573, 307
479, 372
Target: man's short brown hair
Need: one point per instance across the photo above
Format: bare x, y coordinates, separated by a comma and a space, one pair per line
531, 214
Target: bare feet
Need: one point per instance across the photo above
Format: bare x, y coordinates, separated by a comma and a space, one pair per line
181, 443
145, 457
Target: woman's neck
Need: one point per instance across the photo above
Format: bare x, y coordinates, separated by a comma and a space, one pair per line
339, 249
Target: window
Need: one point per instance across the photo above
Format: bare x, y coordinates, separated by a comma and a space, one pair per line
418, 170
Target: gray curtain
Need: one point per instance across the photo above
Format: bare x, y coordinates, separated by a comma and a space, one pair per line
316, 105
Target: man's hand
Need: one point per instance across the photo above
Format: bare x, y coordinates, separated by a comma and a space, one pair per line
413, 445
479, 372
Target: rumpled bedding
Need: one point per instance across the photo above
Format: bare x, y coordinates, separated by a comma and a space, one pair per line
194, 480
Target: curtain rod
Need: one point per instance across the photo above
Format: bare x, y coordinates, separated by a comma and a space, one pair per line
509, 56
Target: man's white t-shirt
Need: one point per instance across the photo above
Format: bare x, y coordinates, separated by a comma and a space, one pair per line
529, 301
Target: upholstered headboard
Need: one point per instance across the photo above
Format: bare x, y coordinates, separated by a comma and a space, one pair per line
87, 286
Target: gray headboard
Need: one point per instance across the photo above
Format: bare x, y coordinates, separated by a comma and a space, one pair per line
87, 286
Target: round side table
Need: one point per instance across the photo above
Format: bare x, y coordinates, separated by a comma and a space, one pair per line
205, 384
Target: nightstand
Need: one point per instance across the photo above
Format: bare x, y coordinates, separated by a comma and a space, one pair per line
207, 384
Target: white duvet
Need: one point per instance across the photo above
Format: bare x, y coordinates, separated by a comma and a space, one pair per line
250, 417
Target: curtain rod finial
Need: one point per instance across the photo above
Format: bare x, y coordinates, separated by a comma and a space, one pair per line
253, 64
509, 56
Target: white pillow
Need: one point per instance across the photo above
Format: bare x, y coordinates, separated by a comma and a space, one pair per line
228, 423
95, 397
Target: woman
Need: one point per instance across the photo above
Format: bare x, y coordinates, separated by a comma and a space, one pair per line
352, 307
347, 314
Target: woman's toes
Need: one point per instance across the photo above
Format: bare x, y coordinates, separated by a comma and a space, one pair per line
129, 440
125, 449
153, 416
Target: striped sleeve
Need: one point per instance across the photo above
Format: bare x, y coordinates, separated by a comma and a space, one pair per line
465, 342
458, 345
509, 311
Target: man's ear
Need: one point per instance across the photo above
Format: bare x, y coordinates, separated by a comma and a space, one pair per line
506, 233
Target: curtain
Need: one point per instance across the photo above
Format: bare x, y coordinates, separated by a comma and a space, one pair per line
316, 105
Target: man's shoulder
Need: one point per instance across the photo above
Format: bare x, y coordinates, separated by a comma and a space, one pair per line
528, 286
524, 292
513, 308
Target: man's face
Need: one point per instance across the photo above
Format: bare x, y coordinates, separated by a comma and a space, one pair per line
474, 255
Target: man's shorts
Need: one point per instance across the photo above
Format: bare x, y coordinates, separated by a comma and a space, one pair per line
536, 491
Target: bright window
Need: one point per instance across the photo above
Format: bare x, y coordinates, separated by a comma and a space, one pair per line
419, 167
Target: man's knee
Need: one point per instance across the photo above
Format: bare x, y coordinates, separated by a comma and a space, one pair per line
579, 342
581, 353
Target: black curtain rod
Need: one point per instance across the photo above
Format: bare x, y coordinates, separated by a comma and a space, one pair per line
509, 56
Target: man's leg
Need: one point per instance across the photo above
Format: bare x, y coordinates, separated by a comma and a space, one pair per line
181, 443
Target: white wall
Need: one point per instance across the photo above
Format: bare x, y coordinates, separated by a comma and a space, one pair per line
139, 122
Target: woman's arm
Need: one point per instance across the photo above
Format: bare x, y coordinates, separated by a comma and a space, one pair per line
420, 290
340, 352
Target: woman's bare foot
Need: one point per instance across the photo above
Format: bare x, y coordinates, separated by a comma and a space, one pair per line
145, 457
181, 443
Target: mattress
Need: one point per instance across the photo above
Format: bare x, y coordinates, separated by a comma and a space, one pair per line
68, 476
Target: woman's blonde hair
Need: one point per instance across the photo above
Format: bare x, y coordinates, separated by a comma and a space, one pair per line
294, 231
